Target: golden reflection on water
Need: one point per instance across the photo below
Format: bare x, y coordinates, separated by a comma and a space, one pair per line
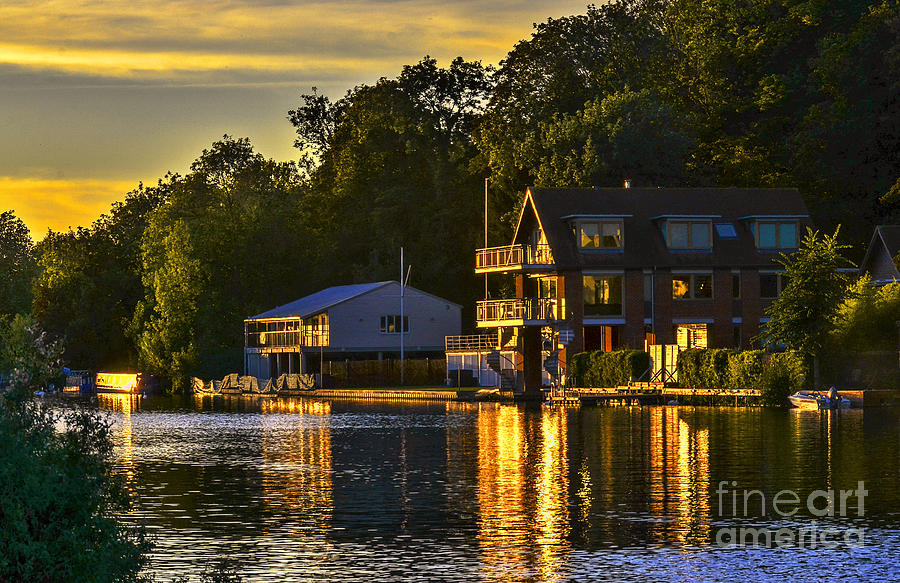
124, 403
297, 474
522, 492
679, 476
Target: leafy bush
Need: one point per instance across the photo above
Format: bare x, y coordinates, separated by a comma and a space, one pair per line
775, 384
776, 375
745, 368
60, 497
704, 368
607, 369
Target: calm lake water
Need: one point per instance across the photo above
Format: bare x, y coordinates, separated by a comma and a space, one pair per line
303, 490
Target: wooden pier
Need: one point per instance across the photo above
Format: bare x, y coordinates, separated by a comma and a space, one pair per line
651, 394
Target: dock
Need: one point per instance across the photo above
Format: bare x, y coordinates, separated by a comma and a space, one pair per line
651, 394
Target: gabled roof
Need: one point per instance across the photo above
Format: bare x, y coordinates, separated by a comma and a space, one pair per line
886, 235
320, 301
642, 210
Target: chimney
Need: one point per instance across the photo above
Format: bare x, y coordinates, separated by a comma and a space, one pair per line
627, 183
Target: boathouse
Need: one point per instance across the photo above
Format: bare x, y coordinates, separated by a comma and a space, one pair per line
610, 268
355, 322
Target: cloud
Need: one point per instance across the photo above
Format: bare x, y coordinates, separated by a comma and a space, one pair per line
169, 40
59, 204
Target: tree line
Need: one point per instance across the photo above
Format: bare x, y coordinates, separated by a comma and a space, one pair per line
661, 92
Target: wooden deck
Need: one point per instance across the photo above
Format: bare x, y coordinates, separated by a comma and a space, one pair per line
651, 394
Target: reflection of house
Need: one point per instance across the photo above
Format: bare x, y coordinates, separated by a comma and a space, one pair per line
879, 261
613, 267
348, 321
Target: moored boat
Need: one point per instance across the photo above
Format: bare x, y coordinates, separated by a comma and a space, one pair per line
819, 400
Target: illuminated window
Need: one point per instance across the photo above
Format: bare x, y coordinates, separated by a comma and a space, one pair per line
776, 235
391, 324
692, 286
600, 235
688, 234
603, 295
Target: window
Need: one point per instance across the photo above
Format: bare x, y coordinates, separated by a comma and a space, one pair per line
692, 286
771, 285
603, 295
776, 235
391, 324
600, 235
736, 286
547, 288
688, 234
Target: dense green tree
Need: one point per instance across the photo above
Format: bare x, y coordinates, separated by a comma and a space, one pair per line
625, 135
393, 171
802, 317
17, 265
567, 63
89, 281
867, 319
226, 244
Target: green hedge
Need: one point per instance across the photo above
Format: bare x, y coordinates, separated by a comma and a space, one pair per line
776, 375
607, 369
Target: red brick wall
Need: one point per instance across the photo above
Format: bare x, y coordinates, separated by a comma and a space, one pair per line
751, 307
634, 309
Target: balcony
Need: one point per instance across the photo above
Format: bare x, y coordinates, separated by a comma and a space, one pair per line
519, 312
288, 339
513, 258
472, 343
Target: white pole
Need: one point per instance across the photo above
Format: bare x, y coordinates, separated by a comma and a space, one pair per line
402, 285
485, 232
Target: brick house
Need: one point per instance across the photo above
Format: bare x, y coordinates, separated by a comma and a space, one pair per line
619, 267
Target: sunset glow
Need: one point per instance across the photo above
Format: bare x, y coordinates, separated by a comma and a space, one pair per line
101, 95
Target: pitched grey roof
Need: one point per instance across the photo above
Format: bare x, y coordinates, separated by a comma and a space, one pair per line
319, 301
643, 207
885, 238
890, 234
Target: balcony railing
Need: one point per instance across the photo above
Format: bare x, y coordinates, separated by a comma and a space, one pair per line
518, 311
288, 338
512, 257
472, 343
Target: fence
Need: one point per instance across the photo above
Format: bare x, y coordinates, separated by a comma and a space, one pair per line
383, 373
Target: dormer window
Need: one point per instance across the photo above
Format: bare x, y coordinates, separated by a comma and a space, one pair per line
776, 234
606, 234
683, 234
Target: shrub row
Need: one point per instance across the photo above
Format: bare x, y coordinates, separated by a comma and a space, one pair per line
776, 375
607, 369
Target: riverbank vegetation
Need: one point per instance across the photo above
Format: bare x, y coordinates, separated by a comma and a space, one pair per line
662, 92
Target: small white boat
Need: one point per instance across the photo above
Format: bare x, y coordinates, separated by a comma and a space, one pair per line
819, 400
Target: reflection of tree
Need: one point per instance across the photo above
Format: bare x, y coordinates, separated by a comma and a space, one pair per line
522, 492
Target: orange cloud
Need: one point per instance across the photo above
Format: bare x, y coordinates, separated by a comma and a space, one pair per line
59, 204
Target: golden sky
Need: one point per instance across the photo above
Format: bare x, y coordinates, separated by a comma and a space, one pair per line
96, 96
